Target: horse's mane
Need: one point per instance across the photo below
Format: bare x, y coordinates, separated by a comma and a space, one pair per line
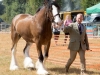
50, 4
39, 9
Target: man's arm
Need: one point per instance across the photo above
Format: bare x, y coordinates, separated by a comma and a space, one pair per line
68, 28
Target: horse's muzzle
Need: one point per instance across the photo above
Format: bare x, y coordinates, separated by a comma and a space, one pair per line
60, 23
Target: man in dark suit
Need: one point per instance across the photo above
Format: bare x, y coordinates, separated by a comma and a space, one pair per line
78, 42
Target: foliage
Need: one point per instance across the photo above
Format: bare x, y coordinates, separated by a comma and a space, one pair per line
14, 7
88, 3
60, 2
10, 8
1, 8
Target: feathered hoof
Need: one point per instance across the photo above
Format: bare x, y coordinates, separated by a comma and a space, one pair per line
28, 64
14, 67
42, 72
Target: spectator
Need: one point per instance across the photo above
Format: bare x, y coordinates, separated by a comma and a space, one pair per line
66, 23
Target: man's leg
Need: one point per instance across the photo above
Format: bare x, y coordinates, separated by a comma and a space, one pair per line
73, 54
82, 61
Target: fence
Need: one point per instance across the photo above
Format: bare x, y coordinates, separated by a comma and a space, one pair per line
4, 28
92, 31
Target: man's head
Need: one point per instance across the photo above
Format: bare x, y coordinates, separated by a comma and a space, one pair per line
79, 18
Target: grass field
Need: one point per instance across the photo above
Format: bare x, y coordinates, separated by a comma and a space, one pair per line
54, 67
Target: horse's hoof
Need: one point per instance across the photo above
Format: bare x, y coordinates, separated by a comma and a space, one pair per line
40, 68
28, 64
14, 68
42, 72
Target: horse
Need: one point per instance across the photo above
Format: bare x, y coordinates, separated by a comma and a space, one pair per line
34, 29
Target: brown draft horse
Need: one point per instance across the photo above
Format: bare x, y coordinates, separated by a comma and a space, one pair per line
34, 29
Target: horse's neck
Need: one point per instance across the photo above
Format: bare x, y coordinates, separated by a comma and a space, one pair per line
41, 13
42, 19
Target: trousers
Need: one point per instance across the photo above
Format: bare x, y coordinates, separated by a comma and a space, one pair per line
73, 54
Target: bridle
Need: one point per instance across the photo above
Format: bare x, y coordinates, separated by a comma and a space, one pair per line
56, 15
52, 18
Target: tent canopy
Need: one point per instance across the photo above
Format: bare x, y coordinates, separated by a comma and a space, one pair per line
93, 9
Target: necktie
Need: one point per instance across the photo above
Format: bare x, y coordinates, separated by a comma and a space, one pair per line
79, 27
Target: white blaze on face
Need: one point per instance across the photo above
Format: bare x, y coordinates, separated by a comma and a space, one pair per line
55, 12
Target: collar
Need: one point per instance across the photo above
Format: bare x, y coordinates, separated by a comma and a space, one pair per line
78, 23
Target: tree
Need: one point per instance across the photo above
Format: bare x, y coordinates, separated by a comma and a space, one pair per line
87, 3
14, 7
33, 5
1, 8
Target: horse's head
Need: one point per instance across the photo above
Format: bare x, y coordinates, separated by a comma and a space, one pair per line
52, 11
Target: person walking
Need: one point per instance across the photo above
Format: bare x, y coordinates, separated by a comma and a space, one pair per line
67, 21
78, 43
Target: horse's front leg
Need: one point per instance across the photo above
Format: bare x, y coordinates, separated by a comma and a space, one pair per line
39, 64
46, 51
28, 61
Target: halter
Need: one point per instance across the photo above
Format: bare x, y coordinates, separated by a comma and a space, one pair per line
56, 15
52, 17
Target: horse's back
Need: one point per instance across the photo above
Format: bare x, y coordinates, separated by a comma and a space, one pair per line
19, 17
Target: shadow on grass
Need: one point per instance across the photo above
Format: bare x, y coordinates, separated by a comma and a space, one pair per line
71, 71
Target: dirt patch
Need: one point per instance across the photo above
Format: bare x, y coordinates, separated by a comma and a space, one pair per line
58, 54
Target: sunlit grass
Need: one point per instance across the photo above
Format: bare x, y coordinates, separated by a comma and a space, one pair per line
54, 69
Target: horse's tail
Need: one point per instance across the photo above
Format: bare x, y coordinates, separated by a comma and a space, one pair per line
11, 27
13, 30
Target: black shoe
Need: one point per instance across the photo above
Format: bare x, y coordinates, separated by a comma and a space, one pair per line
66, 68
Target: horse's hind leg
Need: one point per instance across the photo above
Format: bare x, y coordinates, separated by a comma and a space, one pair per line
28, 61
15, 37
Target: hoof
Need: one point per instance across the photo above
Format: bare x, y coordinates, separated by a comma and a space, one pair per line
28, 64
13, 67
42, 72
41, 69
